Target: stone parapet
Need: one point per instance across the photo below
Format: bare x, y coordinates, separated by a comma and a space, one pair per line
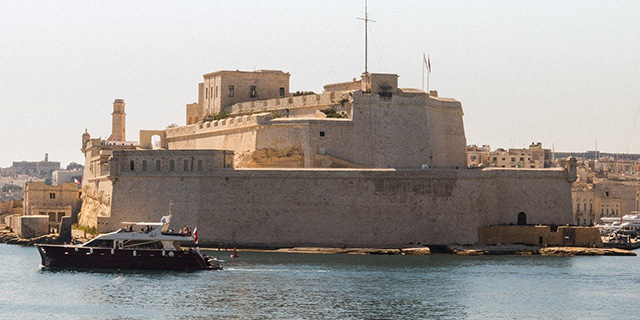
314, 101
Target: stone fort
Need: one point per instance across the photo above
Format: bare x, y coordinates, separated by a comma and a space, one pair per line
364, 163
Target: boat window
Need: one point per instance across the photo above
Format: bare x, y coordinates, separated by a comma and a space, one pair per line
142, 244
99, 243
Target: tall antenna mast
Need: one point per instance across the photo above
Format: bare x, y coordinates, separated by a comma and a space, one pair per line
366, 38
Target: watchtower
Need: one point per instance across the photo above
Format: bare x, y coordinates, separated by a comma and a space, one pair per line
118, 127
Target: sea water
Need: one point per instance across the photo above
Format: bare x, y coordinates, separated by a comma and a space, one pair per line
261, 285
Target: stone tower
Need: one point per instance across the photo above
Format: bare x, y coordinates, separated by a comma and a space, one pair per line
118, 125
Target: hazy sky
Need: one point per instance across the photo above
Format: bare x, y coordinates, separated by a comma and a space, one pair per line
562, 73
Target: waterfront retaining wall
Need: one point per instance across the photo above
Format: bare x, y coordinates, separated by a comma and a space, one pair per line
540, 236
342, 207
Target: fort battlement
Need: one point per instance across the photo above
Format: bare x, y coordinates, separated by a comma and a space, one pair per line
313, 101
241, 121
168, 162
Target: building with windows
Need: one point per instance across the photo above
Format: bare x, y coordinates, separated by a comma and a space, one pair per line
221, 89
604, 198
53, 201
533, 157
478, 156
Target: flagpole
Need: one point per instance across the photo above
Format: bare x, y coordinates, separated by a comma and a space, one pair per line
423, 66
428, 73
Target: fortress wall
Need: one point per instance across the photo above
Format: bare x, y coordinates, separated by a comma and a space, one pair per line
403, 132
406, 132
314, 101
342, 207
446, 133
303, 136
547, 201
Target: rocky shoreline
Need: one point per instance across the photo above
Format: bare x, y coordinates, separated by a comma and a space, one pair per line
8, 237
456, 250
548, 251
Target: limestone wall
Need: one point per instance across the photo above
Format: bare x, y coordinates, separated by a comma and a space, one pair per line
540, 236
32, 226
402, 131
407, 132
309, 102
11, 207
344, 207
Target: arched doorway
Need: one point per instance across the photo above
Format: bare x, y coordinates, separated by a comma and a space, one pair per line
522, 219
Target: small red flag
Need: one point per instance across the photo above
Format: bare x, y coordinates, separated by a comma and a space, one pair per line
195, 235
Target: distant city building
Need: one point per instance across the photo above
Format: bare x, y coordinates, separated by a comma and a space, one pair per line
604, 198
33, 168
478, 156
533, 157
61, 176
10, 192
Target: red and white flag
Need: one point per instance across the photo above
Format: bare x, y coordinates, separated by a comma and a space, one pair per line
76, 181
195, 235
427, 61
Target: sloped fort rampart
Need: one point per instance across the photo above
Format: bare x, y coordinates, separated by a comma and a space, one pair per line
363, 164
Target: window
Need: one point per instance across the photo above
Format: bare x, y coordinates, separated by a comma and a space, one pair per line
132, 165
606, 194
186, 165
513, 159
172, 165
206, 95
157, 165
52, 195
322, 133
385, 92
522, 159
253, 92
281, 92
231, 93
144, 165
199, 165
